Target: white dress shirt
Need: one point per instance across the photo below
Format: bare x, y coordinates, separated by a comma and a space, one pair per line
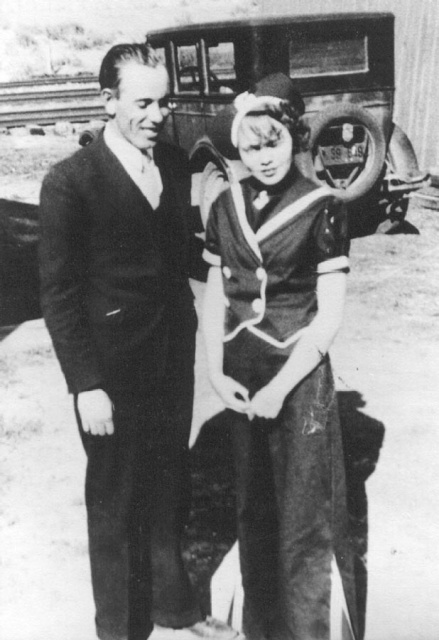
139, 166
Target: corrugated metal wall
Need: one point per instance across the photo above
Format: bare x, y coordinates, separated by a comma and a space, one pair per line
417, 62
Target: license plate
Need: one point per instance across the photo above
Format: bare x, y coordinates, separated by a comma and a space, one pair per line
338, 154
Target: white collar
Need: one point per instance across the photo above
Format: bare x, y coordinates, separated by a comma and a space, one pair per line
125, 152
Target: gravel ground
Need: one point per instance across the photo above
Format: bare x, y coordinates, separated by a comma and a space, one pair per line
386, 360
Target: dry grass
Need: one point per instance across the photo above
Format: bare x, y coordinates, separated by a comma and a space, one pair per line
21, 415
73, 37
28, 52
30, 156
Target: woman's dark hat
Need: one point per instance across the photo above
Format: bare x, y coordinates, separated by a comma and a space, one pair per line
268, 92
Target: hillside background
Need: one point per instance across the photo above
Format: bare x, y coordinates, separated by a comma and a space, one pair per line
46, 37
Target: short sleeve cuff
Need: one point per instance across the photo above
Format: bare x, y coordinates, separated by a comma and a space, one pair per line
341, 263
211, 258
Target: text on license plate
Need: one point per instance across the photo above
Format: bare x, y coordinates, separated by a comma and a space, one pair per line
338, 154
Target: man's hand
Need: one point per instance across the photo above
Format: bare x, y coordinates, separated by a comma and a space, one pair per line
96, 411
232, 393
267, 402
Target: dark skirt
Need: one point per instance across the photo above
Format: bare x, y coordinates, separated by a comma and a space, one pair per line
291, 500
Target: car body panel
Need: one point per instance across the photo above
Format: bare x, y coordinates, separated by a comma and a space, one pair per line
263, 46
341, 63
334, 59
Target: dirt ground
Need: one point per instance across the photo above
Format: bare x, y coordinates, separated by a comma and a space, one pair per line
386, 361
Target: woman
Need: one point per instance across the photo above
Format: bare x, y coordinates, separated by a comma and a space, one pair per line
278, 246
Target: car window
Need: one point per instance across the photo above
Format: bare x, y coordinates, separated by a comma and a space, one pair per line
325, 56
187, 69
160, 53
221, 64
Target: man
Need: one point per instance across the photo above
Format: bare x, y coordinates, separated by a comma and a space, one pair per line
119, 308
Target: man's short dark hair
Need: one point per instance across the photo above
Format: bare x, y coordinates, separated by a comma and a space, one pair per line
120, 54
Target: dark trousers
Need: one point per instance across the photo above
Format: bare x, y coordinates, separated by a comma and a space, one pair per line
291, 501
138, 498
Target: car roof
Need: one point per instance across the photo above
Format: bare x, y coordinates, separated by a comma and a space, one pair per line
267, 21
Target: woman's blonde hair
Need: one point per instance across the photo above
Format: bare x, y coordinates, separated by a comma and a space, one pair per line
263, 125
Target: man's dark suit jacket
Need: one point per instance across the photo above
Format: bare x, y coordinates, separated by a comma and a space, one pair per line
114, 273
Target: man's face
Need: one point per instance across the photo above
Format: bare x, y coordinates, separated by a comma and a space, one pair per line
140, 106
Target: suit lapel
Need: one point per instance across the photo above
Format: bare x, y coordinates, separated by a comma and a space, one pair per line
125, 194
163, 166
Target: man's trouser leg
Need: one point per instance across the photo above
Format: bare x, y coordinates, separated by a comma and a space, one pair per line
136, 496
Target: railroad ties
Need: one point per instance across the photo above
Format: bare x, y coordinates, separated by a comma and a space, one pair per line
46, 101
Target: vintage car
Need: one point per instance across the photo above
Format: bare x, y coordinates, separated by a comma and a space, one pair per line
343, 64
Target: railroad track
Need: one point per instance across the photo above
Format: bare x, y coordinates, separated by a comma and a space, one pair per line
49, 100
47, 81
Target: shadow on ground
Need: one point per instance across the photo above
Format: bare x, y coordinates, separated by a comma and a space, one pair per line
212, 529
362, 440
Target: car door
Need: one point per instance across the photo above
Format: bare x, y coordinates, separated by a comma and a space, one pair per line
186, 123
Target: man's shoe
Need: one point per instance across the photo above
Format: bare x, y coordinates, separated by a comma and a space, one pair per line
213, 629
208, 629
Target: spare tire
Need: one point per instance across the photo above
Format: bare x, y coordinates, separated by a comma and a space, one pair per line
368, 172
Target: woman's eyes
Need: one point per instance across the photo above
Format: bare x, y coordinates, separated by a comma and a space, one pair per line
270, 144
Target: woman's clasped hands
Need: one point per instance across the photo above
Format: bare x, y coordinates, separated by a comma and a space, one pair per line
266, 403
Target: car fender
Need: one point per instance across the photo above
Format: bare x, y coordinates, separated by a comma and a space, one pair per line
401, 159
211, 174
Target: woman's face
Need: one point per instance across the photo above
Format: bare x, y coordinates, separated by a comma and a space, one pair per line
266, 148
